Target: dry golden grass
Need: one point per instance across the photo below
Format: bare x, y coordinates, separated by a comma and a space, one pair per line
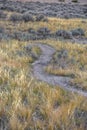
53, 24
30, 104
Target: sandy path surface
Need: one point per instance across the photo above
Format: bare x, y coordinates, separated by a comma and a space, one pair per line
40, 74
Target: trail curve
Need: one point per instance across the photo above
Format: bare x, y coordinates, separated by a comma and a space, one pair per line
40, 74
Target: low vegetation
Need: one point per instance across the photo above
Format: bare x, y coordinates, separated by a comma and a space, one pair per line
29, 104
70, 61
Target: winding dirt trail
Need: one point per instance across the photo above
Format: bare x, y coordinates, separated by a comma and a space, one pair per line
39, 73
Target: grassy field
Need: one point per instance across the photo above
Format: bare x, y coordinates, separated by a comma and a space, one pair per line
28, 104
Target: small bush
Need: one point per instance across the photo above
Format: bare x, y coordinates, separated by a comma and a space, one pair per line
41, 18
31, 30
21, 36
27, 17
2, 30
3, 15
15, 17
64, 34
43, 31
63, 54
78, 32
4, 36
24, 36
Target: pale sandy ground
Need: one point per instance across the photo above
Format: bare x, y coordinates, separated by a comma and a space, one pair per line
53, 1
